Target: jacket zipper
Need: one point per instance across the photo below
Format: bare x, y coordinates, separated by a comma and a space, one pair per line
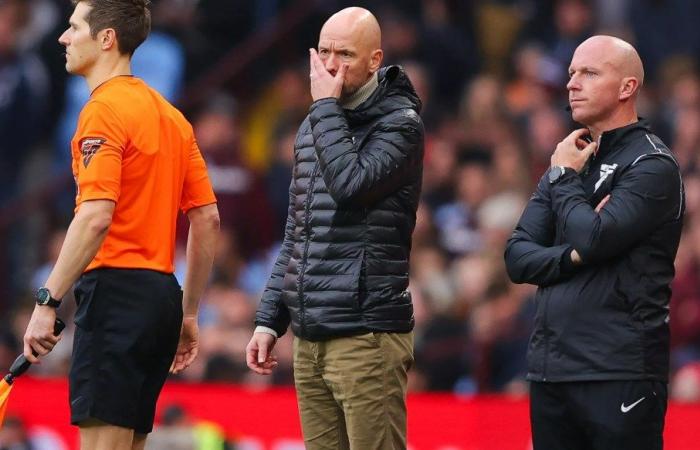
307, 229
362, 282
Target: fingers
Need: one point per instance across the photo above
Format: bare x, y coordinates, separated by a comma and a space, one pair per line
38, 338
251, 355
28, 353
340, 80
578, 134
312, 69
183, 359
581, 143
174, 366
190, 357
315, 64
262, 352
602, 203
259, 360
264, 368
41, 345
48, 340
180, 363
268, 365
575, 257
177, 365
340, 76
589, 149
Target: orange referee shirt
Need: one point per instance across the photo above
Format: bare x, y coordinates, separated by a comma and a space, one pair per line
133, 147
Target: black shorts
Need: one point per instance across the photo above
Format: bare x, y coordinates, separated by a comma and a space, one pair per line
127, 330
598, 415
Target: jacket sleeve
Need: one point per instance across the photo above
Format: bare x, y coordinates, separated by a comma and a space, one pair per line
648, 194
365, 172
530, 254
272, 312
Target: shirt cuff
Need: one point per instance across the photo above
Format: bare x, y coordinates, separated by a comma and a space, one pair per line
261, 329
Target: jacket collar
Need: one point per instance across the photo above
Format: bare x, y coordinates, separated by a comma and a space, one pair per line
618, 137
394, 92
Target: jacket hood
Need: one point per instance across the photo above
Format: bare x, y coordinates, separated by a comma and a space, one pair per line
394, 92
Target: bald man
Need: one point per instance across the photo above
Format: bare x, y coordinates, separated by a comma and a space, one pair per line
599, 238
341, 277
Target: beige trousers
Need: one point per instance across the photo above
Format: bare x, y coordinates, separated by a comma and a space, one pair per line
352, 391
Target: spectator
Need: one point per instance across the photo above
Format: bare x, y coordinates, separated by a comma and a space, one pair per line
23, 86
239, 189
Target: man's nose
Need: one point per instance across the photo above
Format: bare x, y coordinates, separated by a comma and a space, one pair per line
572, 84
63, 39
331, 63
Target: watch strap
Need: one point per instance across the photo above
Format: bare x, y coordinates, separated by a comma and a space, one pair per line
52, 302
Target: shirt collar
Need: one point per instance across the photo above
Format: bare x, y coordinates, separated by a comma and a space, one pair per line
362, 94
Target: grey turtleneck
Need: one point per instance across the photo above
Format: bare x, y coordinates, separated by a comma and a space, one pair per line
362, 94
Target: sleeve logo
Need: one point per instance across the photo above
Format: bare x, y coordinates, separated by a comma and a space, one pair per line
88, 148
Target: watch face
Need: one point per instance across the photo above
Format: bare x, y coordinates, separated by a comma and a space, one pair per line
554, 173
42, 296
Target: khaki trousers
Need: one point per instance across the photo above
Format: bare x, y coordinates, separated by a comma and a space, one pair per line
352, 391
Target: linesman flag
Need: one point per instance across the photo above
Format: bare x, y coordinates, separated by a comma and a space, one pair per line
18, 368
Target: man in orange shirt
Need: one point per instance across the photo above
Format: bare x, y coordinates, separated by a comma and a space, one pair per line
135, 162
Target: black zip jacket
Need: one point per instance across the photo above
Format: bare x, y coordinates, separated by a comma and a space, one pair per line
608, 318
343, 266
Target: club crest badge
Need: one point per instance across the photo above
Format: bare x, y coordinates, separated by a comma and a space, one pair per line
605, 171
88, 148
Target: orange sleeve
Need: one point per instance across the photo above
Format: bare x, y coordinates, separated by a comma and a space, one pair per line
197, 190
101, 139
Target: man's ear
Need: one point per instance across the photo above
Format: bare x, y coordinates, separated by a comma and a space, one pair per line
375, 61
629, 86
107, 38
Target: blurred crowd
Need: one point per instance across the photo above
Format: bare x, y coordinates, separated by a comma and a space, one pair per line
491, 74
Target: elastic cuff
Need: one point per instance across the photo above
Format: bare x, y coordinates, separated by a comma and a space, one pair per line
323, 101
262, 329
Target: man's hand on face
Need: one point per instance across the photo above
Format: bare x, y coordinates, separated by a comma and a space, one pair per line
323, 84
573, 151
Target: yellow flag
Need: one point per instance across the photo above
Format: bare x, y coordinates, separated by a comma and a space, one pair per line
4, 396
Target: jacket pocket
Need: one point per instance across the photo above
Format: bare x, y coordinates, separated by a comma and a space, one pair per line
84, 292
624, 290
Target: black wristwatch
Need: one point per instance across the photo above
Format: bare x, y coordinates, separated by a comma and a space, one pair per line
556, 172
43, 298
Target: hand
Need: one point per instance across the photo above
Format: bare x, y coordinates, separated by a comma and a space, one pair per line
258, 353
573, 151
576, 258
188, 347
39, 336
323, 84
602, 203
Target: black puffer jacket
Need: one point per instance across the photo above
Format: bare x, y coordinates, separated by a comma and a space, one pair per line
343, 267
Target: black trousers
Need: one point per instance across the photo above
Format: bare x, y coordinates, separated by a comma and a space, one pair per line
598, 415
